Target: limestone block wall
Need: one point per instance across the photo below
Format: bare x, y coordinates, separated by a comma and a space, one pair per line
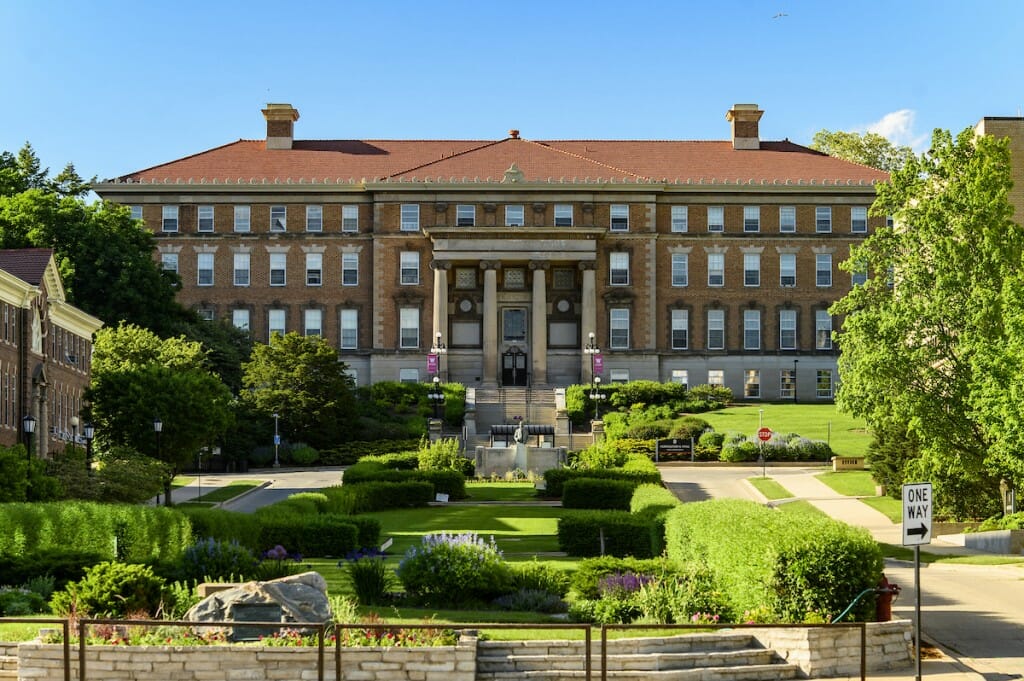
826, 651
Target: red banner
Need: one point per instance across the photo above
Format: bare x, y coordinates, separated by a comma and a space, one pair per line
432, 363
598, 365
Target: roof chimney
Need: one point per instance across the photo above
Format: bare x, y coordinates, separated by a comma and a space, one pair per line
280, 125
744, 118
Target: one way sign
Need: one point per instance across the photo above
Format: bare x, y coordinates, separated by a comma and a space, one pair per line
917, 514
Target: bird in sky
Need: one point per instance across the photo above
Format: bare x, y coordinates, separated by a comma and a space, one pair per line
780, 15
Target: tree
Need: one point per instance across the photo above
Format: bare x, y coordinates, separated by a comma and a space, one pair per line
869, 149
301, 379
136, 377
935, 298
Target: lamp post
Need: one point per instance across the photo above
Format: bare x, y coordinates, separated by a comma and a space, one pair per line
28, 424
591, 349
436, 397
439, 349
760, 442
596, 395
158, 427
74, 431
88, 431
277, 442
795, 361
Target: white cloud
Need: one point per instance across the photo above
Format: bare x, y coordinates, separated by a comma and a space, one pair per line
898, 128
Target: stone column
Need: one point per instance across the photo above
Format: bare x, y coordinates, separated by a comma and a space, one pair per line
539, 325
490, 330
440, 268
588, 318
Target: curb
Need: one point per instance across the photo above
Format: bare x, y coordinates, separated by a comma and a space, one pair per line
263, 485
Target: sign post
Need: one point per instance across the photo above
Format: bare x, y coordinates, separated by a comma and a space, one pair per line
764, 435
917, 530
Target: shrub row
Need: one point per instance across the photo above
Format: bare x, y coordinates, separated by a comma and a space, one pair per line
625, 534
598, 493
450, 482
652, 499
366, 497
797, 566
350, 452
555, 478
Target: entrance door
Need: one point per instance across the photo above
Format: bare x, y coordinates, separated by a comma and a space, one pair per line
513, 367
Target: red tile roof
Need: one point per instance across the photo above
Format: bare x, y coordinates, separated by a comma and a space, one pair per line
711, 162
27, 264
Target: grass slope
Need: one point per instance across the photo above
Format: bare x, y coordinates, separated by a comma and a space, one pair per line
847, 435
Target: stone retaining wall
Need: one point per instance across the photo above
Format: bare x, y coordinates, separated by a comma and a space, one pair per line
825, 652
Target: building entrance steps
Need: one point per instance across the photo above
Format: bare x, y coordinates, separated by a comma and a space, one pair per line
497, 406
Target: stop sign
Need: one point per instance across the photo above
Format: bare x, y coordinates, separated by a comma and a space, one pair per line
764, 434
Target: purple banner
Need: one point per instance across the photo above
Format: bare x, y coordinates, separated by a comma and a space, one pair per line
432, 363
598, 365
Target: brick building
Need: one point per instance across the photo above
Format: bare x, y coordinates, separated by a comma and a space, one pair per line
45, 352
691, 261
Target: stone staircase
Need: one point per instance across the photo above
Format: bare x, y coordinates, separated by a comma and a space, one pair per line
496, 406
696, 657
8, 662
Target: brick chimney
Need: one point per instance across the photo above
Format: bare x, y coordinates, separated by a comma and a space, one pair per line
744, 118
280, 125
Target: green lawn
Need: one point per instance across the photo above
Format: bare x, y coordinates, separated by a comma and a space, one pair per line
501, 491
770, 488
892, 508
847, 435
850, 483
229, 491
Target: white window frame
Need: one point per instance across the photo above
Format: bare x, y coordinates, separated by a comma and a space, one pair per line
787, 329
278, 269
204, 218
408, 328
348, 334
465, 215
618, 375
619, 217
716, 218
824, 387
135, 212
681, 376
823, 219
563, 215
169, 262
858, 220
822, 330
279, 218
787, 270
716, 330
716, 377
240, 318
409, 268
410, 217
313, 321
204, 264
241, 269
680, 219
314, 218
680, 269
515, 215
242, 219
751, 329
277, 321
169, 219
787, 219
618, 328
751, 219
618, 268
787, 384
350, 269
350, 218
752, 384
823, 270
680, 329
314, 269
716, 270
751, 269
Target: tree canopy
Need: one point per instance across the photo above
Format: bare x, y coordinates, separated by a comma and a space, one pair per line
869, 149
923, 337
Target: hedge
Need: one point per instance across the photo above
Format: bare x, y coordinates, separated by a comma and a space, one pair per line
350, 452
366, 497
555, 478
652, 499
221, 525
625, 534
597, 493
450, 482
794, 566
329, 534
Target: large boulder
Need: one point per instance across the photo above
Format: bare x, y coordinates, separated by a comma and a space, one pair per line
299, 599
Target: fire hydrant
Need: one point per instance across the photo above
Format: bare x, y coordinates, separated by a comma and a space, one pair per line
887, 593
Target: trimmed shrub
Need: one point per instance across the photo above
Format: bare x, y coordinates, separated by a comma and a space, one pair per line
536, 576
63, 565
652, 499
796, 567
739, 450
625, 534
327, 534
349, 453
713, 396
689, 426
303, 455
453, 569
555, 478
597, 493
449, 482
403, 461
366, 497
367, 530
709, 446
110, 590
648, 431
221, 525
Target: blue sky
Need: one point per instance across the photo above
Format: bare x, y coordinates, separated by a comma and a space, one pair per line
119, 86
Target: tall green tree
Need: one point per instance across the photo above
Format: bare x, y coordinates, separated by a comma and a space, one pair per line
912, 333
869, 149
302, 379
138, 377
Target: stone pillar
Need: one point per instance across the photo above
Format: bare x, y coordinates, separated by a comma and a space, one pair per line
539, 334
588, 318
490, 330
440, 317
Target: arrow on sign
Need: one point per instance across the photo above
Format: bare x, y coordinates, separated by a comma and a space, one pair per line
922, 531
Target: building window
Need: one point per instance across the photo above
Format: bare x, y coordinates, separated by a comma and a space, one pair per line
787, 384
241, 269
618, 375
681, 376
716, 269
563, 279
859, 220
823, 269
823, 384
680, 218
751, 329
408, 375
205, 218
465, 216
514, 278
619, 269
787, 218
279, 218
620, 217
515, 216
169, 261
787, 329
314, 322
859, 274
787, 270
350, 269
716, 377
752, 383
278, 267
204, 267
751, 269
680, 269
409, 327
314, 269
716, 219
350, 218
465, 277
242, 214
890, 221
275, 322
314, 218
136, 212
240, 318
563, 215
822, 330
170, 219
716, 329
619, 337
410, 267
206, 314
349, 329
410, 217
823, 219
680, 329
751, 218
